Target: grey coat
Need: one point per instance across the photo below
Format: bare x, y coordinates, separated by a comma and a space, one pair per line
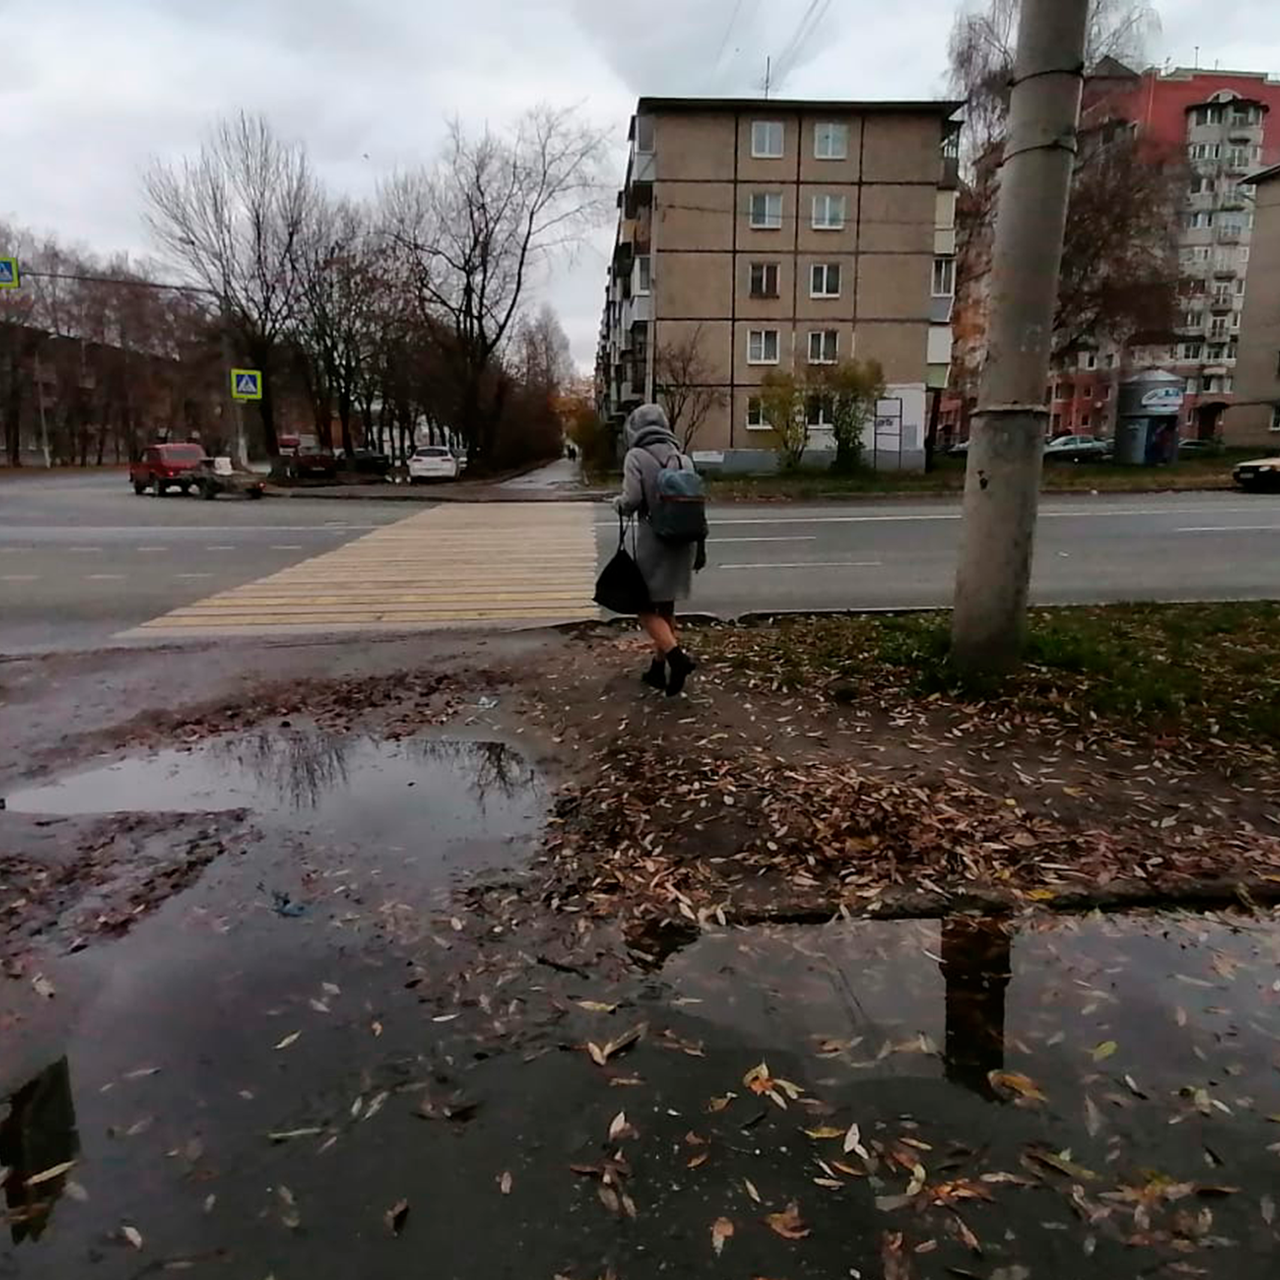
668, 570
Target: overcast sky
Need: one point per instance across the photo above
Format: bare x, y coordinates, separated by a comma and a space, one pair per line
89, 89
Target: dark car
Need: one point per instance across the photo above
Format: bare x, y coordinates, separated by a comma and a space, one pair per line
367, 462
314, 463
1258, 473
166, 466
210, 481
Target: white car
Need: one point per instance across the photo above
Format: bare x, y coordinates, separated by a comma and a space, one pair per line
432, 462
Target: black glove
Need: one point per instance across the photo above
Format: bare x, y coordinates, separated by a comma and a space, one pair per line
700, 560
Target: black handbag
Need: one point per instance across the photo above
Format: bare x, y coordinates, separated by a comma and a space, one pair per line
621, 587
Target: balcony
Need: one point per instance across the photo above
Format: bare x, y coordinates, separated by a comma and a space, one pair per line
1228, 235
644, 166
1222, 301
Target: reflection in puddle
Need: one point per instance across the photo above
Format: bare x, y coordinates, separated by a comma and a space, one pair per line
37, 1137
295, 772
1182, 1002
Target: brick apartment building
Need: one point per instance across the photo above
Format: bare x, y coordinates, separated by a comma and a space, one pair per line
1254, 418
1228, 122
777, 235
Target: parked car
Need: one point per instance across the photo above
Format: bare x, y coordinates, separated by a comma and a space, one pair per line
1258, 473
959, 450
366, 462
1077, 448
217, 475
1210, 448
165, 466
432, 462
312, 462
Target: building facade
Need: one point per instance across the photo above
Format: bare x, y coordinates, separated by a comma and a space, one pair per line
1227, 124
1254, 418
757, 235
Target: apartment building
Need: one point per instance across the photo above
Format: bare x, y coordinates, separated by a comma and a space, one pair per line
1226, 123
763, 235
1254, 418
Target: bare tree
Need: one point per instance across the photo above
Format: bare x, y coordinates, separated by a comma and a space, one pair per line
338, 262
543, 355
685, 387
980, 52
231, 218
472, 231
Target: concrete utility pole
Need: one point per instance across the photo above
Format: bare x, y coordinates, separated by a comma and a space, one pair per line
1002, 481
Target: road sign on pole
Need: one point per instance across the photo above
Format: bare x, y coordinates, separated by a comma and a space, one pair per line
9, 278
246, 384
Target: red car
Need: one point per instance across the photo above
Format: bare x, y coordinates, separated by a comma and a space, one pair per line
165, 466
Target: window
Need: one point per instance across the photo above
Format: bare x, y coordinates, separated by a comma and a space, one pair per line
1275, 417
1217, 327
643, 265
766, 210
762, 346
764, 279
944, 277
823, 344
766, 139
1201, 219
828, 213
1190, 350
755, 415
1238, 157
1239, 288
1192, 320
1084, 421
1060, 392
1088, 359
1193, 386
824, 280
1235, 320
830, 140
819, 412
644, 133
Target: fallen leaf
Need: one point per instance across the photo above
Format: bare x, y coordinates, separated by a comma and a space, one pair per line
751, 1190
823, 1132
1015, 1082
596, 1006
43, 987
700, 1159
504, 1183
289, 1039
395, 1217
620, 1129
853, 1142
1063, 1165
719, 1104
721, 1230
788, 1224
48, 1175
1103, 1051
132, 1235
76, 1191
600, 1054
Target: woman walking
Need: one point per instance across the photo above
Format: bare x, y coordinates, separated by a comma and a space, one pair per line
667, 567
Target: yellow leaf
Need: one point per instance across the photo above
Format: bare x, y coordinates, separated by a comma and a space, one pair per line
48, 1175
1016, 1083
823, 1132
788, 1224
288, 1040
1104, 1050
596, 1006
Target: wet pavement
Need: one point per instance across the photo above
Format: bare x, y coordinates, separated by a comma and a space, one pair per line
325, 1059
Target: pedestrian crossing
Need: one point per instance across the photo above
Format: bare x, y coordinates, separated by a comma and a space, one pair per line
484, 563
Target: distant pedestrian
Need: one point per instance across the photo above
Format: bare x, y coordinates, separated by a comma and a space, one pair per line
669, 554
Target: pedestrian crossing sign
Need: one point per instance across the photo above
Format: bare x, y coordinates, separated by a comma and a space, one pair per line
8, 273
246, 384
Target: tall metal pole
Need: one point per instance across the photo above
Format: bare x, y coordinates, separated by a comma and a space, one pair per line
235, 408
1002, 481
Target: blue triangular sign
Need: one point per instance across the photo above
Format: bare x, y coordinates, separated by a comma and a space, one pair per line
247, 384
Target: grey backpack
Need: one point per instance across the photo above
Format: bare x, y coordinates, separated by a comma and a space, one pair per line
679, 515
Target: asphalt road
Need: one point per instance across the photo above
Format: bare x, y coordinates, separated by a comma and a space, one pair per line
83, 559
897, 554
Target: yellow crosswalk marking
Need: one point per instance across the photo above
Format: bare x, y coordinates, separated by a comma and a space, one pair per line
492, 563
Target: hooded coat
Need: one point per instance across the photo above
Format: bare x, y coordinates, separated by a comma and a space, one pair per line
651, 445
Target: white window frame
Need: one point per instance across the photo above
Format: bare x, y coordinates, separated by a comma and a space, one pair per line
756, 404
766, 268
824, 406
772, 222
762, 135
830, 201
822, 335
1275, 418
947, 268
836, 135
644, 275
763, 336
826, 269
644, 123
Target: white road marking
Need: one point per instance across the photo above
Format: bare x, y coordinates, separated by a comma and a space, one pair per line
220, 548
288, 546
798, 537
102, 577
153, 548
1231, 528
810, 564
84, 548
194, 575
20, 577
